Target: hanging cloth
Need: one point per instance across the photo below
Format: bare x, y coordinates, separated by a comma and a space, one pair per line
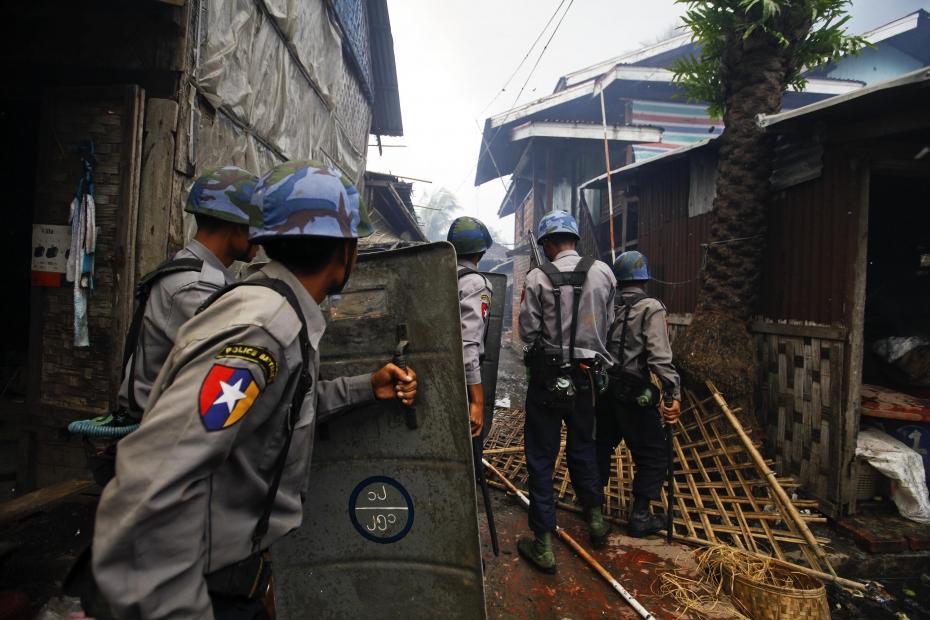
80, 271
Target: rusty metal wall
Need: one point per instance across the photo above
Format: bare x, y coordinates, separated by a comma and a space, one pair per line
811, 246
668, 237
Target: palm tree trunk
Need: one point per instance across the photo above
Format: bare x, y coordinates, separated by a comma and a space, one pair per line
718, 346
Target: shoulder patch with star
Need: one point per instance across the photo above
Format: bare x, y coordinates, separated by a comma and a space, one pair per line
226, 395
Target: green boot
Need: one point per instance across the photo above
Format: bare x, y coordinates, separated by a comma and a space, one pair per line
538, 552
597, 527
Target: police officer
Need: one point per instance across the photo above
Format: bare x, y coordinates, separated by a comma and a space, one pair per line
635, 410
471, 238
218, 469
566, 309
220, 202
169, 295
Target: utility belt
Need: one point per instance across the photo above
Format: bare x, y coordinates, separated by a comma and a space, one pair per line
246, 578
630, 387
561, 380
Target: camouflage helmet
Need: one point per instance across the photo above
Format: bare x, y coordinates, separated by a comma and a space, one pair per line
557, 222
631, 266
225, 194
469, 235
308, 199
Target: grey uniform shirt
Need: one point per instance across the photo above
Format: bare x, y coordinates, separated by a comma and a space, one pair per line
173, 301
474, 304
595, 310
646, 335
189, 489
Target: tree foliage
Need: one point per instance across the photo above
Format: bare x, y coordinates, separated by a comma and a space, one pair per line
719, 26
443, 207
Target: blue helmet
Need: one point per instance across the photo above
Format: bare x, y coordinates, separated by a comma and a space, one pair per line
308, 199
225, 194
631, 266
557, 222
469, 235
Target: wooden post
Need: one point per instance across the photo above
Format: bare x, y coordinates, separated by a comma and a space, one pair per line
610, 188
848, 418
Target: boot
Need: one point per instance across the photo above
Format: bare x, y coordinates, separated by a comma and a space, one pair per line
597, 527
538, 552
642, 522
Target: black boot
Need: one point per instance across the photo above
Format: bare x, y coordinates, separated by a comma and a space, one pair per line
643, 523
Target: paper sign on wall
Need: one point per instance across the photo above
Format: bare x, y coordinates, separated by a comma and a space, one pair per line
51, 245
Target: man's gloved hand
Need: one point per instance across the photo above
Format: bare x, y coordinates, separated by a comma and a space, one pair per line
670, 413
390, 381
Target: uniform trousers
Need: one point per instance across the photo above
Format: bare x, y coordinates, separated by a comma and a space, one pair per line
542, 436
642, 429
237, 608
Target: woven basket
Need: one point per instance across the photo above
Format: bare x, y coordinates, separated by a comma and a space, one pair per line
805, 599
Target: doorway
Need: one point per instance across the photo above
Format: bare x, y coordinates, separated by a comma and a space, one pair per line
19, 124
897, 311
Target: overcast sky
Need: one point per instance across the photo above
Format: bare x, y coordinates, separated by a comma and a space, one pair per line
453, 57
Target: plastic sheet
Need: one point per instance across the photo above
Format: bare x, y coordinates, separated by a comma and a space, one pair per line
909, 356
248, 70
901, 464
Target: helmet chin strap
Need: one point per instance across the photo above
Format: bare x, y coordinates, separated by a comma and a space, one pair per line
347, 269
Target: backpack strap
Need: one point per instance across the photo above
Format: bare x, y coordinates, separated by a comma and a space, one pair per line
143, 291
576, 280
304, 383
628, 307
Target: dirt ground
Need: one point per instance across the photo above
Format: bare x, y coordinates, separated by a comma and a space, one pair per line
513, 589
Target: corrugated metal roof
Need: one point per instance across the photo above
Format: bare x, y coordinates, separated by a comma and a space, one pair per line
386, 114
619, 173
875, 95
391, 198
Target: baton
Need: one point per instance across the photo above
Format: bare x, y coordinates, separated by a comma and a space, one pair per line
670, 481
479, 472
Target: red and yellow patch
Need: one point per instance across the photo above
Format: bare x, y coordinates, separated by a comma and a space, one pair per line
226, 395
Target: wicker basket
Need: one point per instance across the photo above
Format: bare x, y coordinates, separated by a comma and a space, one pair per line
804, 599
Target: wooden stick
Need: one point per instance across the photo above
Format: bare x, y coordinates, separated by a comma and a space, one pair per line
568, 540
769, 475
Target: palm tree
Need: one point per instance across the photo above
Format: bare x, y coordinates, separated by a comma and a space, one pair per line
751, 51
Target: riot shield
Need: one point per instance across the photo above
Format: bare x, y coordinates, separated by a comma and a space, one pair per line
390, 524
492, 346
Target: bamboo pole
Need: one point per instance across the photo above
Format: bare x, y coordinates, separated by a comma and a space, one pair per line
769, 475
568, 540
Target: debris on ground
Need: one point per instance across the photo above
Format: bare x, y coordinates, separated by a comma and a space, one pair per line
722, 494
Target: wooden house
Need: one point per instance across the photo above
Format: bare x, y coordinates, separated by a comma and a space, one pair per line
848, 242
